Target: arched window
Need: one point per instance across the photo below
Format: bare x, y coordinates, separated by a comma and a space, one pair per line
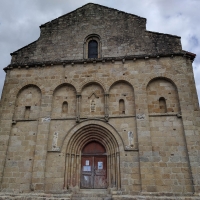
65, 107
162, 104
121, 106
92, 49
92, 46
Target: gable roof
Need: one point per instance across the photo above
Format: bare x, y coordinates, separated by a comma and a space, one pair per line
85, 6
123, 35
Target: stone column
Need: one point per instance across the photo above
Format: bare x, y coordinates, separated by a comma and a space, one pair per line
66, 171
77, 172
71, 170
78, 96
118, 170
106, 107
114, 170
109, 171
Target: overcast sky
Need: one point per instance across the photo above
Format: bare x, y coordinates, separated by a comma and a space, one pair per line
20, 21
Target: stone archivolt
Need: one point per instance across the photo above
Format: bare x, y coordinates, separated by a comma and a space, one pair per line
84, 135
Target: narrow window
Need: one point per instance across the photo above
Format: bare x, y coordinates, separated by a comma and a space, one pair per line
27, 112
65, 107
162, 104
92, 49
121, 106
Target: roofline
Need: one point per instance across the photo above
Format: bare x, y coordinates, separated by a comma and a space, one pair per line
163, 34
15, 52
42, 25
185, 54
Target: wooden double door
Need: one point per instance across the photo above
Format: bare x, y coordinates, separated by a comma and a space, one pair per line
94, 167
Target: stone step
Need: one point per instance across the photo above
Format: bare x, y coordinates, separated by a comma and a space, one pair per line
91, 198
91, 194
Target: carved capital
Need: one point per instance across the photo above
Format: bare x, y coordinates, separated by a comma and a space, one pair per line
78, 94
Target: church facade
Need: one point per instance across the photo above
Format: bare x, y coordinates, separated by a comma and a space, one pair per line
99, 102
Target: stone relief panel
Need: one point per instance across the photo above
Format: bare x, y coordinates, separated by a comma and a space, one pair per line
140, 116
130, 138
57, 132
28, 102
54, 142
64, 102
127, 130
121, 99
92, 101
162, 97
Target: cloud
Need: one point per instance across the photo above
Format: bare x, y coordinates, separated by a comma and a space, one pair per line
20, 21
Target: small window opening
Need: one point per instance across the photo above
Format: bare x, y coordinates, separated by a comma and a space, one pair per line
27, 112
121, 106
92, 49
65, 107
162, 104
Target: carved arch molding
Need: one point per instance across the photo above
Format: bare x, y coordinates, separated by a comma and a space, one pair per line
84, 135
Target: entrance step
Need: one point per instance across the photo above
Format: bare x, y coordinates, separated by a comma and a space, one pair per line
92, 194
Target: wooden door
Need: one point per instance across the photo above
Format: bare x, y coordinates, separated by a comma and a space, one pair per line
87, 172
100, 172
93, 166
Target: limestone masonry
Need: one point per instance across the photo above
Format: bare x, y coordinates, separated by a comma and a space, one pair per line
100, 108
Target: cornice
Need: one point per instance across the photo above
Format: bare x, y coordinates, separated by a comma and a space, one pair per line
35, 64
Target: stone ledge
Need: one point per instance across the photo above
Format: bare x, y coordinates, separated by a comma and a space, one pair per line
34, 196
141, 197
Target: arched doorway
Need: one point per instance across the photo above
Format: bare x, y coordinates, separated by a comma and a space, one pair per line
80, 142
93, 166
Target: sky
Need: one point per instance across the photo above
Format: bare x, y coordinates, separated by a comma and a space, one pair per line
20, 21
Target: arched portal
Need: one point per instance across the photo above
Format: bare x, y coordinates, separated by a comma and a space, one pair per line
93, 166
92, 147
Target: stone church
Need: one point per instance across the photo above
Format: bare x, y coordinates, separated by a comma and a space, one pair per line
98, 107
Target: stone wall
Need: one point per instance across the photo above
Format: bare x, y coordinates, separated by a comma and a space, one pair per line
138, 99
159, 155
121, 34
20, 157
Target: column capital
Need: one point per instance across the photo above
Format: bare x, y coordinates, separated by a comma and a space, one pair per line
78, 94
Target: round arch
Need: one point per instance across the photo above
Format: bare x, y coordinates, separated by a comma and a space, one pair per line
169, 93
88, 82
161, 77
24, 86
26, 103
64, 84
83, 135
118, 81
